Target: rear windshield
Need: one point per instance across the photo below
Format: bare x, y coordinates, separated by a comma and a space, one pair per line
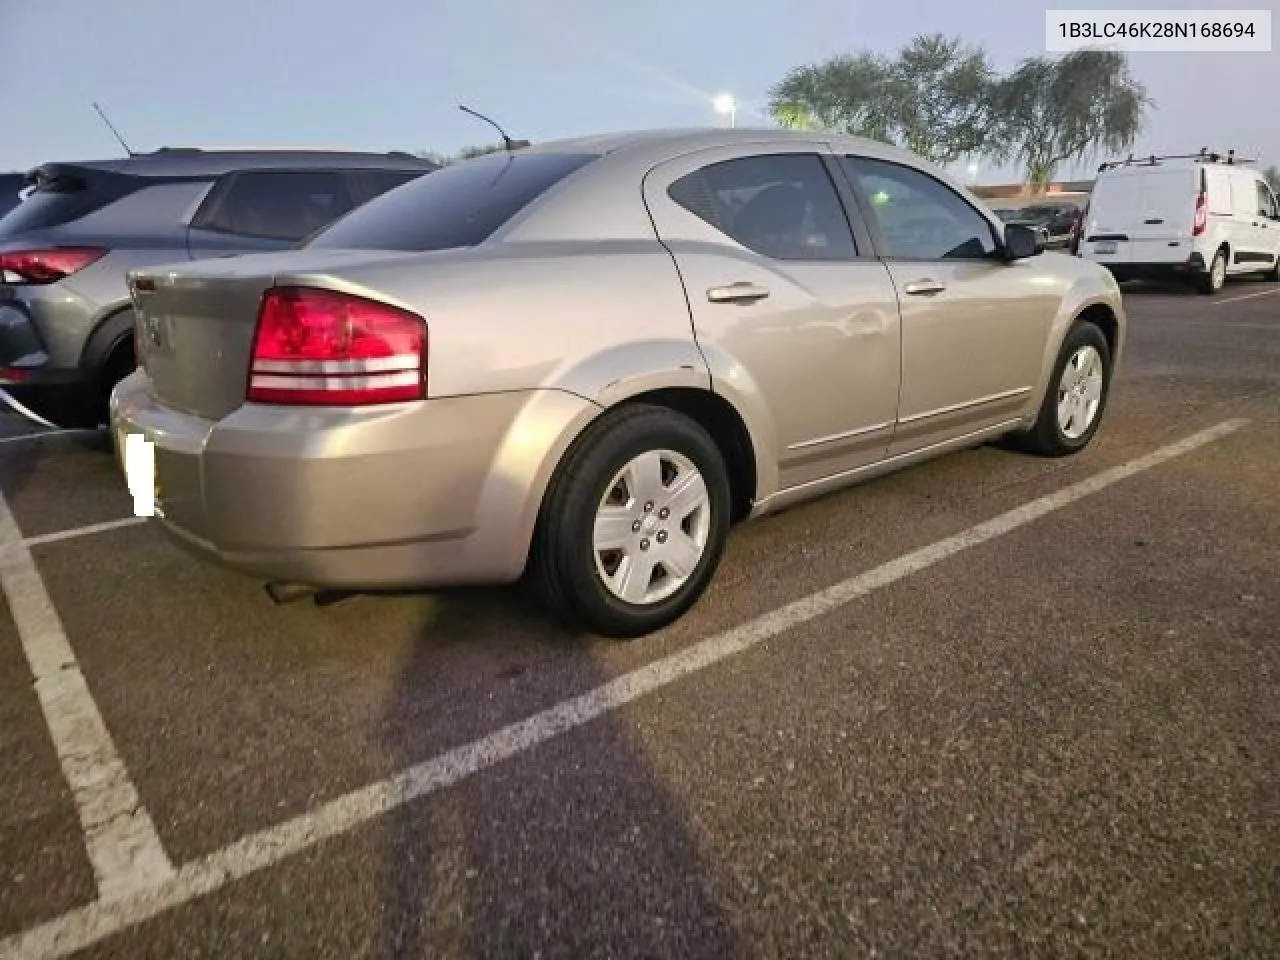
61, 199
458, 206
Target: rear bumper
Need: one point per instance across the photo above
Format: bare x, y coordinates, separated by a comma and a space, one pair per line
439, 493
1193, 266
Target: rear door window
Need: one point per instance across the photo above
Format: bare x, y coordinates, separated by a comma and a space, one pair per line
459, 206
283, 205
782, 206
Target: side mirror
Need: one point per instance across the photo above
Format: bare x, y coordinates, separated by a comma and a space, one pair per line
1021, 242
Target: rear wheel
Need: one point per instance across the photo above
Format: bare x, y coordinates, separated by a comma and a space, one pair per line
120, 363
1077, 395
1274, 273
1214, 280
634, 523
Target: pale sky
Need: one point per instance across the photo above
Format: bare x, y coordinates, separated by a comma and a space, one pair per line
388, 74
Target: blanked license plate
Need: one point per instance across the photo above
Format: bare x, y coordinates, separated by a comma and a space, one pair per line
140, 473
1106, 246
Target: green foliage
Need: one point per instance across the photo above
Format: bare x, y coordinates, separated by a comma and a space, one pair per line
1048, 111
940, 99
933, 99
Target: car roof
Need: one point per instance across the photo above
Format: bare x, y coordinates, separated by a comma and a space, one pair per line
668, 142
194, 161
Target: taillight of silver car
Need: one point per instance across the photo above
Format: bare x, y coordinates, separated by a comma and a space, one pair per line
46, 265
322, 347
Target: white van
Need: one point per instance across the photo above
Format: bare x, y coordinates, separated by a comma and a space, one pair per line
1201, 217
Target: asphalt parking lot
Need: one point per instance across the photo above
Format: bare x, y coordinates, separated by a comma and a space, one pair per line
992, 706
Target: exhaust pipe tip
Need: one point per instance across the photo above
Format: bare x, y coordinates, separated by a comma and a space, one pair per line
283, 593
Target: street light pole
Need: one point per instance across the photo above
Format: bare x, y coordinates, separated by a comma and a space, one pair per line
726, 104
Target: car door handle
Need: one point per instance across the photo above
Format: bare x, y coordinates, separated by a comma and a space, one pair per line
924, 287
1154, 221
737, 293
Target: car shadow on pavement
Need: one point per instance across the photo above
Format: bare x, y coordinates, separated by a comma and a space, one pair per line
570, 849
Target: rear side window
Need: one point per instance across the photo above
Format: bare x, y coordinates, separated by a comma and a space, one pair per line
62, 198
276, 204
782, 206
458, 206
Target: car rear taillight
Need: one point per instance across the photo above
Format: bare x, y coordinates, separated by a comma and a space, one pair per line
48, 265
1202, 215
334, 349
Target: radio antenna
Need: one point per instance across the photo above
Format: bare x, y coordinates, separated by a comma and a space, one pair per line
114, 131
511, 145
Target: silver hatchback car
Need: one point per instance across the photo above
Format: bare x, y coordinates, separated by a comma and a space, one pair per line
584, 360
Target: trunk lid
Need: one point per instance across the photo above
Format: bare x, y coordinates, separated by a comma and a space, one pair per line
196, 322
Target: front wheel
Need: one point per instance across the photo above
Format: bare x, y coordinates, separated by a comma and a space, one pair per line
634, 523
1077, 395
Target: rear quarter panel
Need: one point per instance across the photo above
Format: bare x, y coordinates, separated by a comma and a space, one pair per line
602, 320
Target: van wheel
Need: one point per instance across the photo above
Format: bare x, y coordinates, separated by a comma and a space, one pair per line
1274, 273
634, 523
1076, 398
1213, 281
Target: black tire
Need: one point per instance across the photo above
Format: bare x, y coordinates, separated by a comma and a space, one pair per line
1207, 283
1273, 275
119, 364
1047, 437
563, 560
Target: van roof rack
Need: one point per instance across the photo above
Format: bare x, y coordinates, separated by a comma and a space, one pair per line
1204, 156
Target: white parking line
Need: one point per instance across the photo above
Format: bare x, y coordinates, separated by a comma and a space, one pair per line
1247, 296
45, 433
85, 531
87, 925
121, 840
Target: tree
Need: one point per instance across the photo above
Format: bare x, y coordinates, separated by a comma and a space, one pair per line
1051, 110
934, 98
942, 98
466, 153
847, 93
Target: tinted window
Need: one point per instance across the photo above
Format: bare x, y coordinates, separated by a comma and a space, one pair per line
459, 206
63, 197
367, 184
921, 218
277, 204
782, 206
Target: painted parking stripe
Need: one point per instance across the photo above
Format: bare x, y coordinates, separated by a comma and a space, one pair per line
121, 840
36, 434
87, 925
1247, 296
88, 530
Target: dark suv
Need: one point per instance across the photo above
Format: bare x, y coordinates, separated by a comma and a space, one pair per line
66, 328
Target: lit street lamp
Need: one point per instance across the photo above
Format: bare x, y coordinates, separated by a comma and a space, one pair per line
725, 104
